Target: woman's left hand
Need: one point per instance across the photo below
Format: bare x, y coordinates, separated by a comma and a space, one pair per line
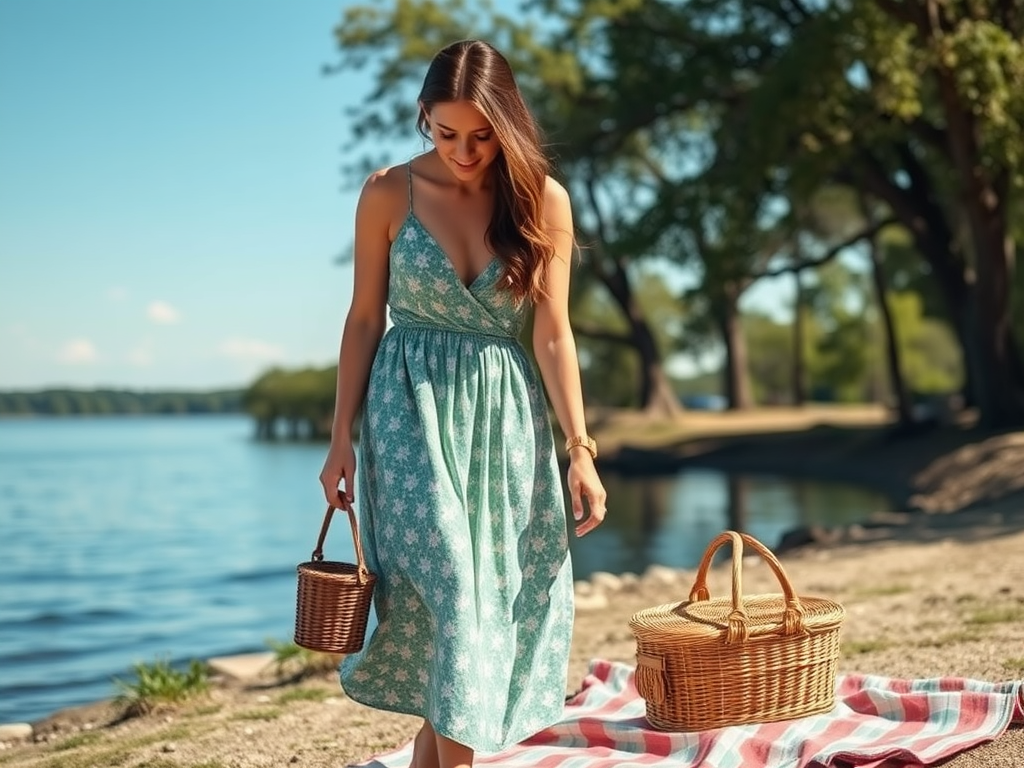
585, 484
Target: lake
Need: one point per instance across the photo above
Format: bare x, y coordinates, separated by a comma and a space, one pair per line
128, 539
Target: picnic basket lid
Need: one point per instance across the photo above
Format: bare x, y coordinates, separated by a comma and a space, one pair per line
740, 617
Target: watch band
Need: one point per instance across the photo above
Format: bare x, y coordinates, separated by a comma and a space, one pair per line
582, 441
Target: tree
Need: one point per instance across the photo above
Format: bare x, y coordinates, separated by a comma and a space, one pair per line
919, 103
403, 39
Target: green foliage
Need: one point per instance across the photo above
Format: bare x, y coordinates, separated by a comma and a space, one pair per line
1007, 615
303, 399
292, 659
160, 683
930, 356
68, 402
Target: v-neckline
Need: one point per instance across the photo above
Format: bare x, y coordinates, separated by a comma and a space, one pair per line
447, 259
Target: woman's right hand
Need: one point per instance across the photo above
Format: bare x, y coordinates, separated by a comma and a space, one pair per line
338, 477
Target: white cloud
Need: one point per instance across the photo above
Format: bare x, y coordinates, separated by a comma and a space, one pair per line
77, 351
163, 313
141, 355
250, 349
117, 293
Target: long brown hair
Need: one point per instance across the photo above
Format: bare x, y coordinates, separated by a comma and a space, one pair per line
474, 71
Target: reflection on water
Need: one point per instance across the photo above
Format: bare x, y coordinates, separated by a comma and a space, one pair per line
670, 520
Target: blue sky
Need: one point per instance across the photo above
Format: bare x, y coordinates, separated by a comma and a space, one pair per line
171, 201
170, 196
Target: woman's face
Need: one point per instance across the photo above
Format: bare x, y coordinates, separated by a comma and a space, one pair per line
464, 139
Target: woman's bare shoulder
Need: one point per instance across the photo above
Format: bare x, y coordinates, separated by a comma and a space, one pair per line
557, 207
387, 184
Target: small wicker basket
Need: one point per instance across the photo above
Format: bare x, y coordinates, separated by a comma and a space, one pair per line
333, 603
706, 663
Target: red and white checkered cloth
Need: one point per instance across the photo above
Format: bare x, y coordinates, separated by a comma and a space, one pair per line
876, 719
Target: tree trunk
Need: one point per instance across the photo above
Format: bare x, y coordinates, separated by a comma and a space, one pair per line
1000, 390
904, 408
737, 382
654, 388
919, 211
799, 364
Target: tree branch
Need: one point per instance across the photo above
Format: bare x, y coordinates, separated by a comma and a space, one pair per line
831, 253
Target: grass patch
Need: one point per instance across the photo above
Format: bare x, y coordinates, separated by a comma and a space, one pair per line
882, 591
159, 762
109, 758
267, 713
950, 638
303, 694
123, 752
204, 711
1016, 666
78, 740
998, 615
292, 659
858, 647
160, 683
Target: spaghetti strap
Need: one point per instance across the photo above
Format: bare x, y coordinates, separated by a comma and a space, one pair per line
408, 168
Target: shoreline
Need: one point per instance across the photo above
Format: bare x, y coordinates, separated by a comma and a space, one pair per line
919, 469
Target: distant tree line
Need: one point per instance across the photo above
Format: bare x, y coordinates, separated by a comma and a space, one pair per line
296, 404
96, 402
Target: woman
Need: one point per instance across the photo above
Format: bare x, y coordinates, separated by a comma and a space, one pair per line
460, 496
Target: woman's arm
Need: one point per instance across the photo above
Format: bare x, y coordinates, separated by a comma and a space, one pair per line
364, 327
555, 350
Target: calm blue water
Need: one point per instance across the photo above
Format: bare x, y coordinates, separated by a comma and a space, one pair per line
131, 539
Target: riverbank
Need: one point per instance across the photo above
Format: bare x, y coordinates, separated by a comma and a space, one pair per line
931, 589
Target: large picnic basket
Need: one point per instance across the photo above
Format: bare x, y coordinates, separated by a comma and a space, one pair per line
708, 663
332, 606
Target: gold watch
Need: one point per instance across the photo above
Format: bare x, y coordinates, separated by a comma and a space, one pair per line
582, 441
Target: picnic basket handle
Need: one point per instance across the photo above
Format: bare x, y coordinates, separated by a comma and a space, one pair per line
362, 574
792, 617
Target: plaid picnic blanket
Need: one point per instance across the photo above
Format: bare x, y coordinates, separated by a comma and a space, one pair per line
875, 720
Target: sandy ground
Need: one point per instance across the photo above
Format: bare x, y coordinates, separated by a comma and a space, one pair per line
930, 593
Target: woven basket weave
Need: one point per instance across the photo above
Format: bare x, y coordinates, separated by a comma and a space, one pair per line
707, 663
333, 603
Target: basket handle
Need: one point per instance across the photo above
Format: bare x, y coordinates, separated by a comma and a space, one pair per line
792, 617
362, 573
